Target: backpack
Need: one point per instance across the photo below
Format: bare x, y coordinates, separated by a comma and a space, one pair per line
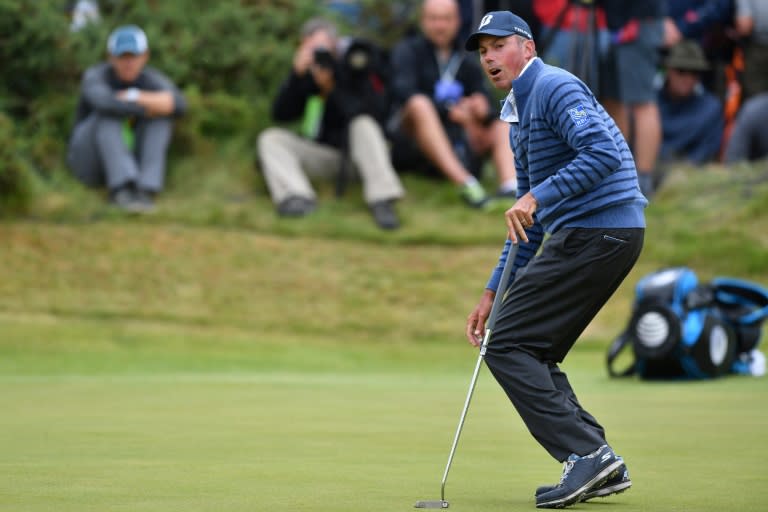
681, 328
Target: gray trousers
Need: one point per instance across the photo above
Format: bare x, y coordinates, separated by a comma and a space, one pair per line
98, 155
550, 303
749, 138
289, 160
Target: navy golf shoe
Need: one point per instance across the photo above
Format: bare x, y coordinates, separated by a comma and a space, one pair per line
580, 475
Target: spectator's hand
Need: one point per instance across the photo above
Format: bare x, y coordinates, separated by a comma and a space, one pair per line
461, 111
469, 109
304, 57
744, 25
476, 319
156, 103
520, 217
672, 34
478, 105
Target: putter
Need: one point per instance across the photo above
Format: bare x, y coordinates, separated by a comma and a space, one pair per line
489, 324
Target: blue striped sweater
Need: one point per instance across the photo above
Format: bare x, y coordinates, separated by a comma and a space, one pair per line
572, 157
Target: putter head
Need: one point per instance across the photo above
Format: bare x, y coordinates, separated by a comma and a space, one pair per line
431, 504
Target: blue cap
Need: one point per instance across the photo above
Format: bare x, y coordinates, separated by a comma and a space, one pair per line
127, 39
499, 24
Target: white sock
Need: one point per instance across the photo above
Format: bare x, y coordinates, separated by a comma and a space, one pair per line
470, 181
509, 185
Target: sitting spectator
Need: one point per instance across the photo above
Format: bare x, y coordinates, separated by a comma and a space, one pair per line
444, 107
691, 117
347, 130
123, 124
751, 21
749, 139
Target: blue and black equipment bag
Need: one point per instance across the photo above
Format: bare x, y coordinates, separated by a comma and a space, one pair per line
681, 328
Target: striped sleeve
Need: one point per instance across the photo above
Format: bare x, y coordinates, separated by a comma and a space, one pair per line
573, 117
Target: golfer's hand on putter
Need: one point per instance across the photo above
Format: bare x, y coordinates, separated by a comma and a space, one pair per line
476, 319
520, 217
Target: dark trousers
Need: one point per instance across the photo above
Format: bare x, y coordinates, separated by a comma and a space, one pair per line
550, 303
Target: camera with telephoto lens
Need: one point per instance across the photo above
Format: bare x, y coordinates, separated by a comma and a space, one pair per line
356, 60
357, 68
324, 58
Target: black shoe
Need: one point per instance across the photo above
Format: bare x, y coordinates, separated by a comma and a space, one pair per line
614, 485
145, 199
296, 206
506, 194
384, 214
581, 474
125, 198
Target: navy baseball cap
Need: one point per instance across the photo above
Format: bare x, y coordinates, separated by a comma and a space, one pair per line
127, 39
499, 24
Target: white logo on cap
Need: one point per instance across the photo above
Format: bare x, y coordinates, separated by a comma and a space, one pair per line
486, 20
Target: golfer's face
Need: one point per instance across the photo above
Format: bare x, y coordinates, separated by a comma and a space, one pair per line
128, 66
503, 58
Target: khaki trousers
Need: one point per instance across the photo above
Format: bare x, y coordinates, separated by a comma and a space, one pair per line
289, 161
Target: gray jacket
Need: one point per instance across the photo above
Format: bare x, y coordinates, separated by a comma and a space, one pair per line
99, 85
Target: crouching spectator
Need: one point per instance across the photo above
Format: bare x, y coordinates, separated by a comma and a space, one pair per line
691, 117
124, 122
330, 88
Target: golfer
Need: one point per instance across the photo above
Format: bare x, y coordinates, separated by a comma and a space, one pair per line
577, 182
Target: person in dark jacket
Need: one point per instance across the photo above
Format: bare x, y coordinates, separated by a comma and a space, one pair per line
691, 117
124, 122
333, 89
444, 108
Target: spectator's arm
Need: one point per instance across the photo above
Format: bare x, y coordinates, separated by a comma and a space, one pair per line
97, 92
292, 97
404, 72
160, 96
157, 103
744, 25
699, 21
744, 18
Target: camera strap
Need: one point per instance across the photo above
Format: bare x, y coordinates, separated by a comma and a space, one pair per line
449, 69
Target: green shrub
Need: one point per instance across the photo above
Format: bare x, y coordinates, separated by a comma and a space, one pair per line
228, 57
15, 187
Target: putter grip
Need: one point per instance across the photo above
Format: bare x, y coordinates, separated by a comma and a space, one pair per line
508, 264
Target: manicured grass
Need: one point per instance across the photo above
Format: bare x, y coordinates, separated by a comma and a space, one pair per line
350, 441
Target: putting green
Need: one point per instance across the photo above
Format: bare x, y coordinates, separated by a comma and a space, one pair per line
359, 442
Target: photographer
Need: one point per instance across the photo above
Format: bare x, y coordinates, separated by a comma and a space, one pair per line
331, 88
